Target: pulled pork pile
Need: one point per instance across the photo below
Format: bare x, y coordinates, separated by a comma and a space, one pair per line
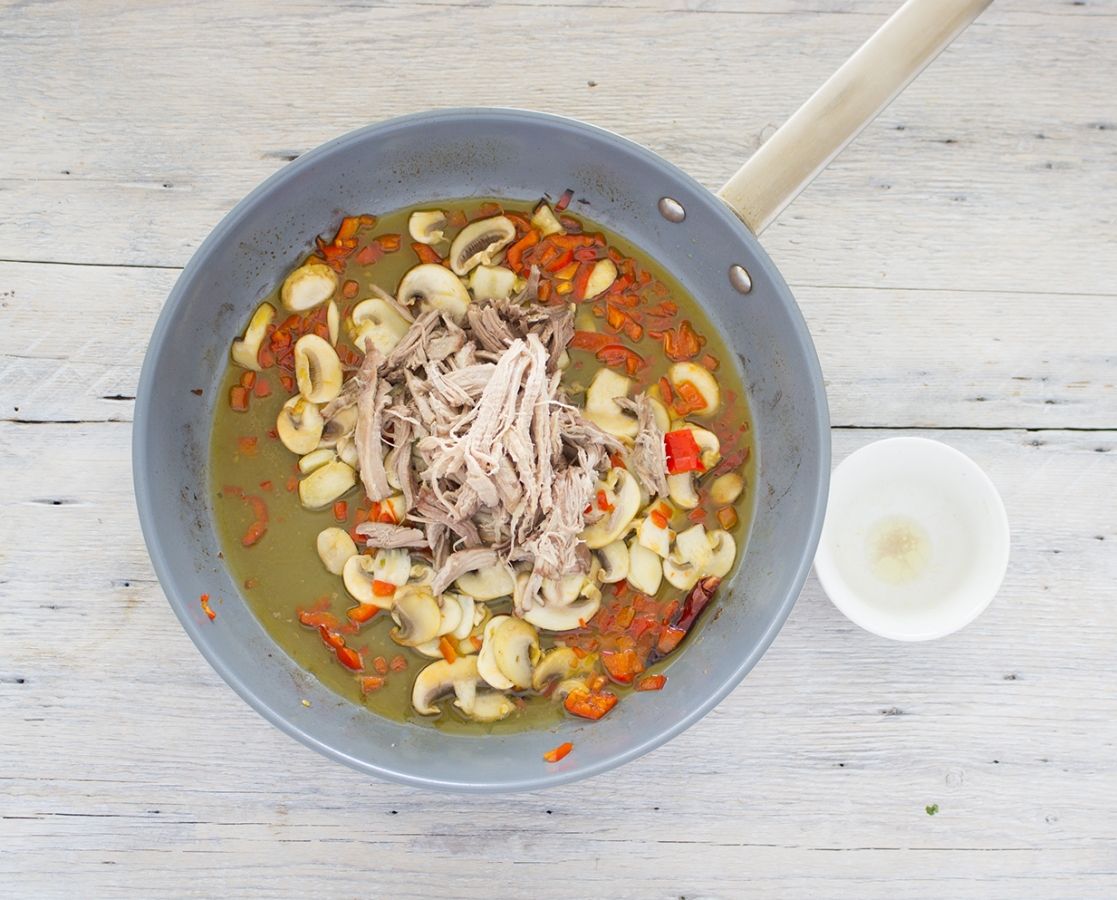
490, 456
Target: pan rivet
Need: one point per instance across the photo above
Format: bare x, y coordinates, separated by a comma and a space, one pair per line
740, 279
671, 210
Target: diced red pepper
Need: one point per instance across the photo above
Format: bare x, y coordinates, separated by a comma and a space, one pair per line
651, 683
238, 397
447, 650
727, 517
381, 665
581, 280
246, 446
694, 400
682, 343
255, 531
349, 658
426, 253
371, 683
363, 613
383, 588
669, 639
553, 756
622, 667
590, 340
398, 663
390, 243
603, 502
369, 254
341, 511
590, 705
516, 251
317, 618
204, 600
262, 388
564, 200
683, 452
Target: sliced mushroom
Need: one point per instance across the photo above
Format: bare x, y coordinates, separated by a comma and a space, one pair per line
488, 706
325, 485
465, 625
335, 549
601, 407
564, 591
727, 488
439, 679
562, 662
488, 583
565, 618
516, 651
358, 574
723, 551
317, 369
347, 450
432, 286
680, 573
308, 286
680, 488
315, 459
652, 536
376, 320
703, 381
622, 492
246, 350
392, 566
417, 616
544, 220
645, 569
343, 422
486, 659
450, 614
660, 414
426, 226
333, 322
492, 282
614, 561
299, 425
602, 276
688, 560
479, 242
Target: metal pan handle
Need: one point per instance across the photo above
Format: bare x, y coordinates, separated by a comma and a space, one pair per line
853, 96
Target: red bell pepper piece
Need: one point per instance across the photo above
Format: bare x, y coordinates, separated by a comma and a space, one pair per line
683, 452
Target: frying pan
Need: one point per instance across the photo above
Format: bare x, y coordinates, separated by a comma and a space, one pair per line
708, 242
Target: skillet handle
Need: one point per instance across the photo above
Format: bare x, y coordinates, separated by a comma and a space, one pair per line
853, 96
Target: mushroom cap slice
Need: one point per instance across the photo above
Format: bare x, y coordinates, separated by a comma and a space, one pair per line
308, 286
601, 407
488, 706
564, 618
727, 488
417, 614
326, 484
680, 488
479, 242
439, 679
492, 282
562, 662
426, 226
317, 369
433, 286
516, 651
357, 574
375, 319
645, 571
299, 425
602, 276
486, 583
723, 551
622, 491
614, 560
486, 659
335, 548
341, 423
245, 351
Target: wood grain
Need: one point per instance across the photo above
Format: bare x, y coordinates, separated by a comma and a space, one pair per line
956, 266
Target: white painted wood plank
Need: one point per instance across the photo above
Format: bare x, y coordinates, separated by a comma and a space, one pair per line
125, 143
138, 766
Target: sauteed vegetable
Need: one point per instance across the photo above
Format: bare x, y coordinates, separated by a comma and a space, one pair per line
481, 464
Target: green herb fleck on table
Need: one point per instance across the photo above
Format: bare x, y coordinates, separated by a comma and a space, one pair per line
932, 809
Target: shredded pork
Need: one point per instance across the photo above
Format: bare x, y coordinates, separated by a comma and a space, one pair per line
471, 423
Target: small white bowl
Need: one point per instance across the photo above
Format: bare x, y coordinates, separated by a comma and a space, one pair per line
915, 542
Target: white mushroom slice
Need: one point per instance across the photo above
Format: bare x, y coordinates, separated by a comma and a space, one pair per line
703, 381
325, 485
317, 369
376, 320
602, 276
299, 425
479, 242
564, 592
645, 569
564, 618
439, 679
563, 361
315, 459
488, 583
431, 649
562, 662
308, 286
544, 220
680, 573
486, 659
568, 686
723, 551
601, 407
622, 492
433, 286
417, 616
450, 614
727, 488
693, 547
392, 566
708, 443
651, 536
335, 549
488, 706
246, 350
492, 282
680, 488
333, 322
465, 625
516, 651
343, 422
347, 450
358, 575
426, 226
614, 561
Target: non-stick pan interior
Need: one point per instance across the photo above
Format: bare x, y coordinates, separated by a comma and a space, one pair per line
455, 154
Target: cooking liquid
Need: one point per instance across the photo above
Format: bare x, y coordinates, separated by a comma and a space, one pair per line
282, 573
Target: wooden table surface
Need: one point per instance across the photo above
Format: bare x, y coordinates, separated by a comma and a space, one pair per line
957, 266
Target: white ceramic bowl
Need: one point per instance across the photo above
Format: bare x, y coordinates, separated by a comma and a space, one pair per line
915, 542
